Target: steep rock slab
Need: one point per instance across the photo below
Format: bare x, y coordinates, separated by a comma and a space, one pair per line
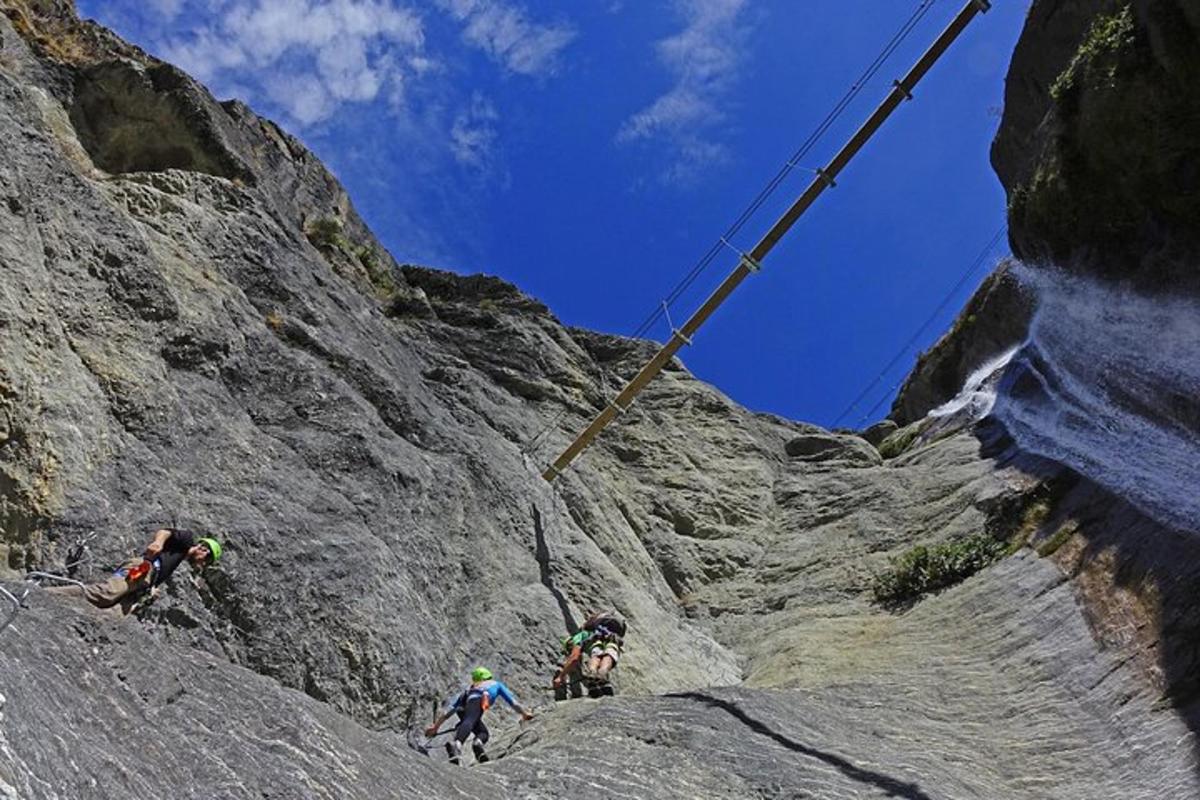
995, 689
239, 353
93, 709
187, 346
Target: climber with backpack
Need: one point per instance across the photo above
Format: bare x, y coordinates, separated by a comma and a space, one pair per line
139, 578
592, 653
470, 705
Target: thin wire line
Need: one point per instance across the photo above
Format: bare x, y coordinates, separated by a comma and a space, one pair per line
791, 164
765, 193
975, 264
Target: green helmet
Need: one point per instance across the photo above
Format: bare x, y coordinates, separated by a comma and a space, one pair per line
213, 546
481, 674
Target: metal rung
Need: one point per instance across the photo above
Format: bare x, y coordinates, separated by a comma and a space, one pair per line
679, 335
907, 94
984, 6
744, 259
617, 407
825, 176
751, 263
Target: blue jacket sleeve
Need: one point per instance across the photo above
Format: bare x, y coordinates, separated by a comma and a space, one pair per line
505, 694
454, 702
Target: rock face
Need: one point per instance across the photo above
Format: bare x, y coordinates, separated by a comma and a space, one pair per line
196, 327
995, 319
819, 445
1099, 147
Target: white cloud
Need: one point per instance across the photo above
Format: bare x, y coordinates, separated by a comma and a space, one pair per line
167, 8
306, 97
307, 56
473, 133
506, 34
703, 59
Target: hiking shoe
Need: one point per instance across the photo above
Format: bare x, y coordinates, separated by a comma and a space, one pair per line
481, 757
454, 750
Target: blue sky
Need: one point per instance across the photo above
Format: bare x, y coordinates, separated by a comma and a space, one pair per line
591, 151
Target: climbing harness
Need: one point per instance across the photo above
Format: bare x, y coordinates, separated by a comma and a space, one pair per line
902, 91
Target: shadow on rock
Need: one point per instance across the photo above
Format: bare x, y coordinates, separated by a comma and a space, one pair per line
1135, 576
893, 786
542, 554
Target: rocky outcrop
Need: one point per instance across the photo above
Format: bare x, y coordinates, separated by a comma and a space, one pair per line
204, 332
995, 319
1099, 148
876, 433
816, 444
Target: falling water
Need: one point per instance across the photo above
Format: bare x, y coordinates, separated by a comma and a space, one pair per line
1108, 383
978, 394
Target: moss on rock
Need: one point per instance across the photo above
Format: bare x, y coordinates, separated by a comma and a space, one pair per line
1115, 185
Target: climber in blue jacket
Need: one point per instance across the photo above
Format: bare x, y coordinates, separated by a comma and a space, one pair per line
470, 705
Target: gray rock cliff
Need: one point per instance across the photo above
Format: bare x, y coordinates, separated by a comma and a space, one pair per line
197, 328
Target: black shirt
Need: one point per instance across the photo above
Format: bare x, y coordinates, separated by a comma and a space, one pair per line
173, 554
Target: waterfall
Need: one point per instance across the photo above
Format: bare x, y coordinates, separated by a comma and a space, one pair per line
978, 394
1108, 383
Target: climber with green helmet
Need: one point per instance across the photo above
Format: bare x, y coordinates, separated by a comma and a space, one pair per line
169, 548
470, 705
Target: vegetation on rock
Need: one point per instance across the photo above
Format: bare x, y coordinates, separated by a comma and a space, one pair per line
901, 440
926, 569
327, 234
1098, 58
1109, 181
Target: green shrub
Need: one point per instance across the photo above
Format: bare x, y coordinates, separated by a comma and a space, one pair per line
1097, 59
923, 569
377, 269
325, 233
899, 441
1051, 545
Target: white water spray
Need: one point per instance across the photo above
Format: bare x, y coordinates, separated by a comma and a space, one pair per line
1108, 383
978, 394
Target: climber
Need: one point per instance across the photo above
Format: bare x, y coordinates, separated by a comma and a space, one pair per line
137, 576
469, 705
600, 640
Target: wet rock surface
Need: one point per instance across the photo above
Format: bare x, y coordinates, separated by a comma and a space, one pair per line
230, 349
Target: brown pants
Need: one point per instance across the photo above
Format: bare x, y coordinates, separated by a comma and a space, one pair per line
108, 593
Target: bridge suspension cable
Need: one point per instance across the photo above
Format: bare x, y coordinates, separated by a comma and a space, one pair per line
788, 167
751, 261
533, 444
979, 261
